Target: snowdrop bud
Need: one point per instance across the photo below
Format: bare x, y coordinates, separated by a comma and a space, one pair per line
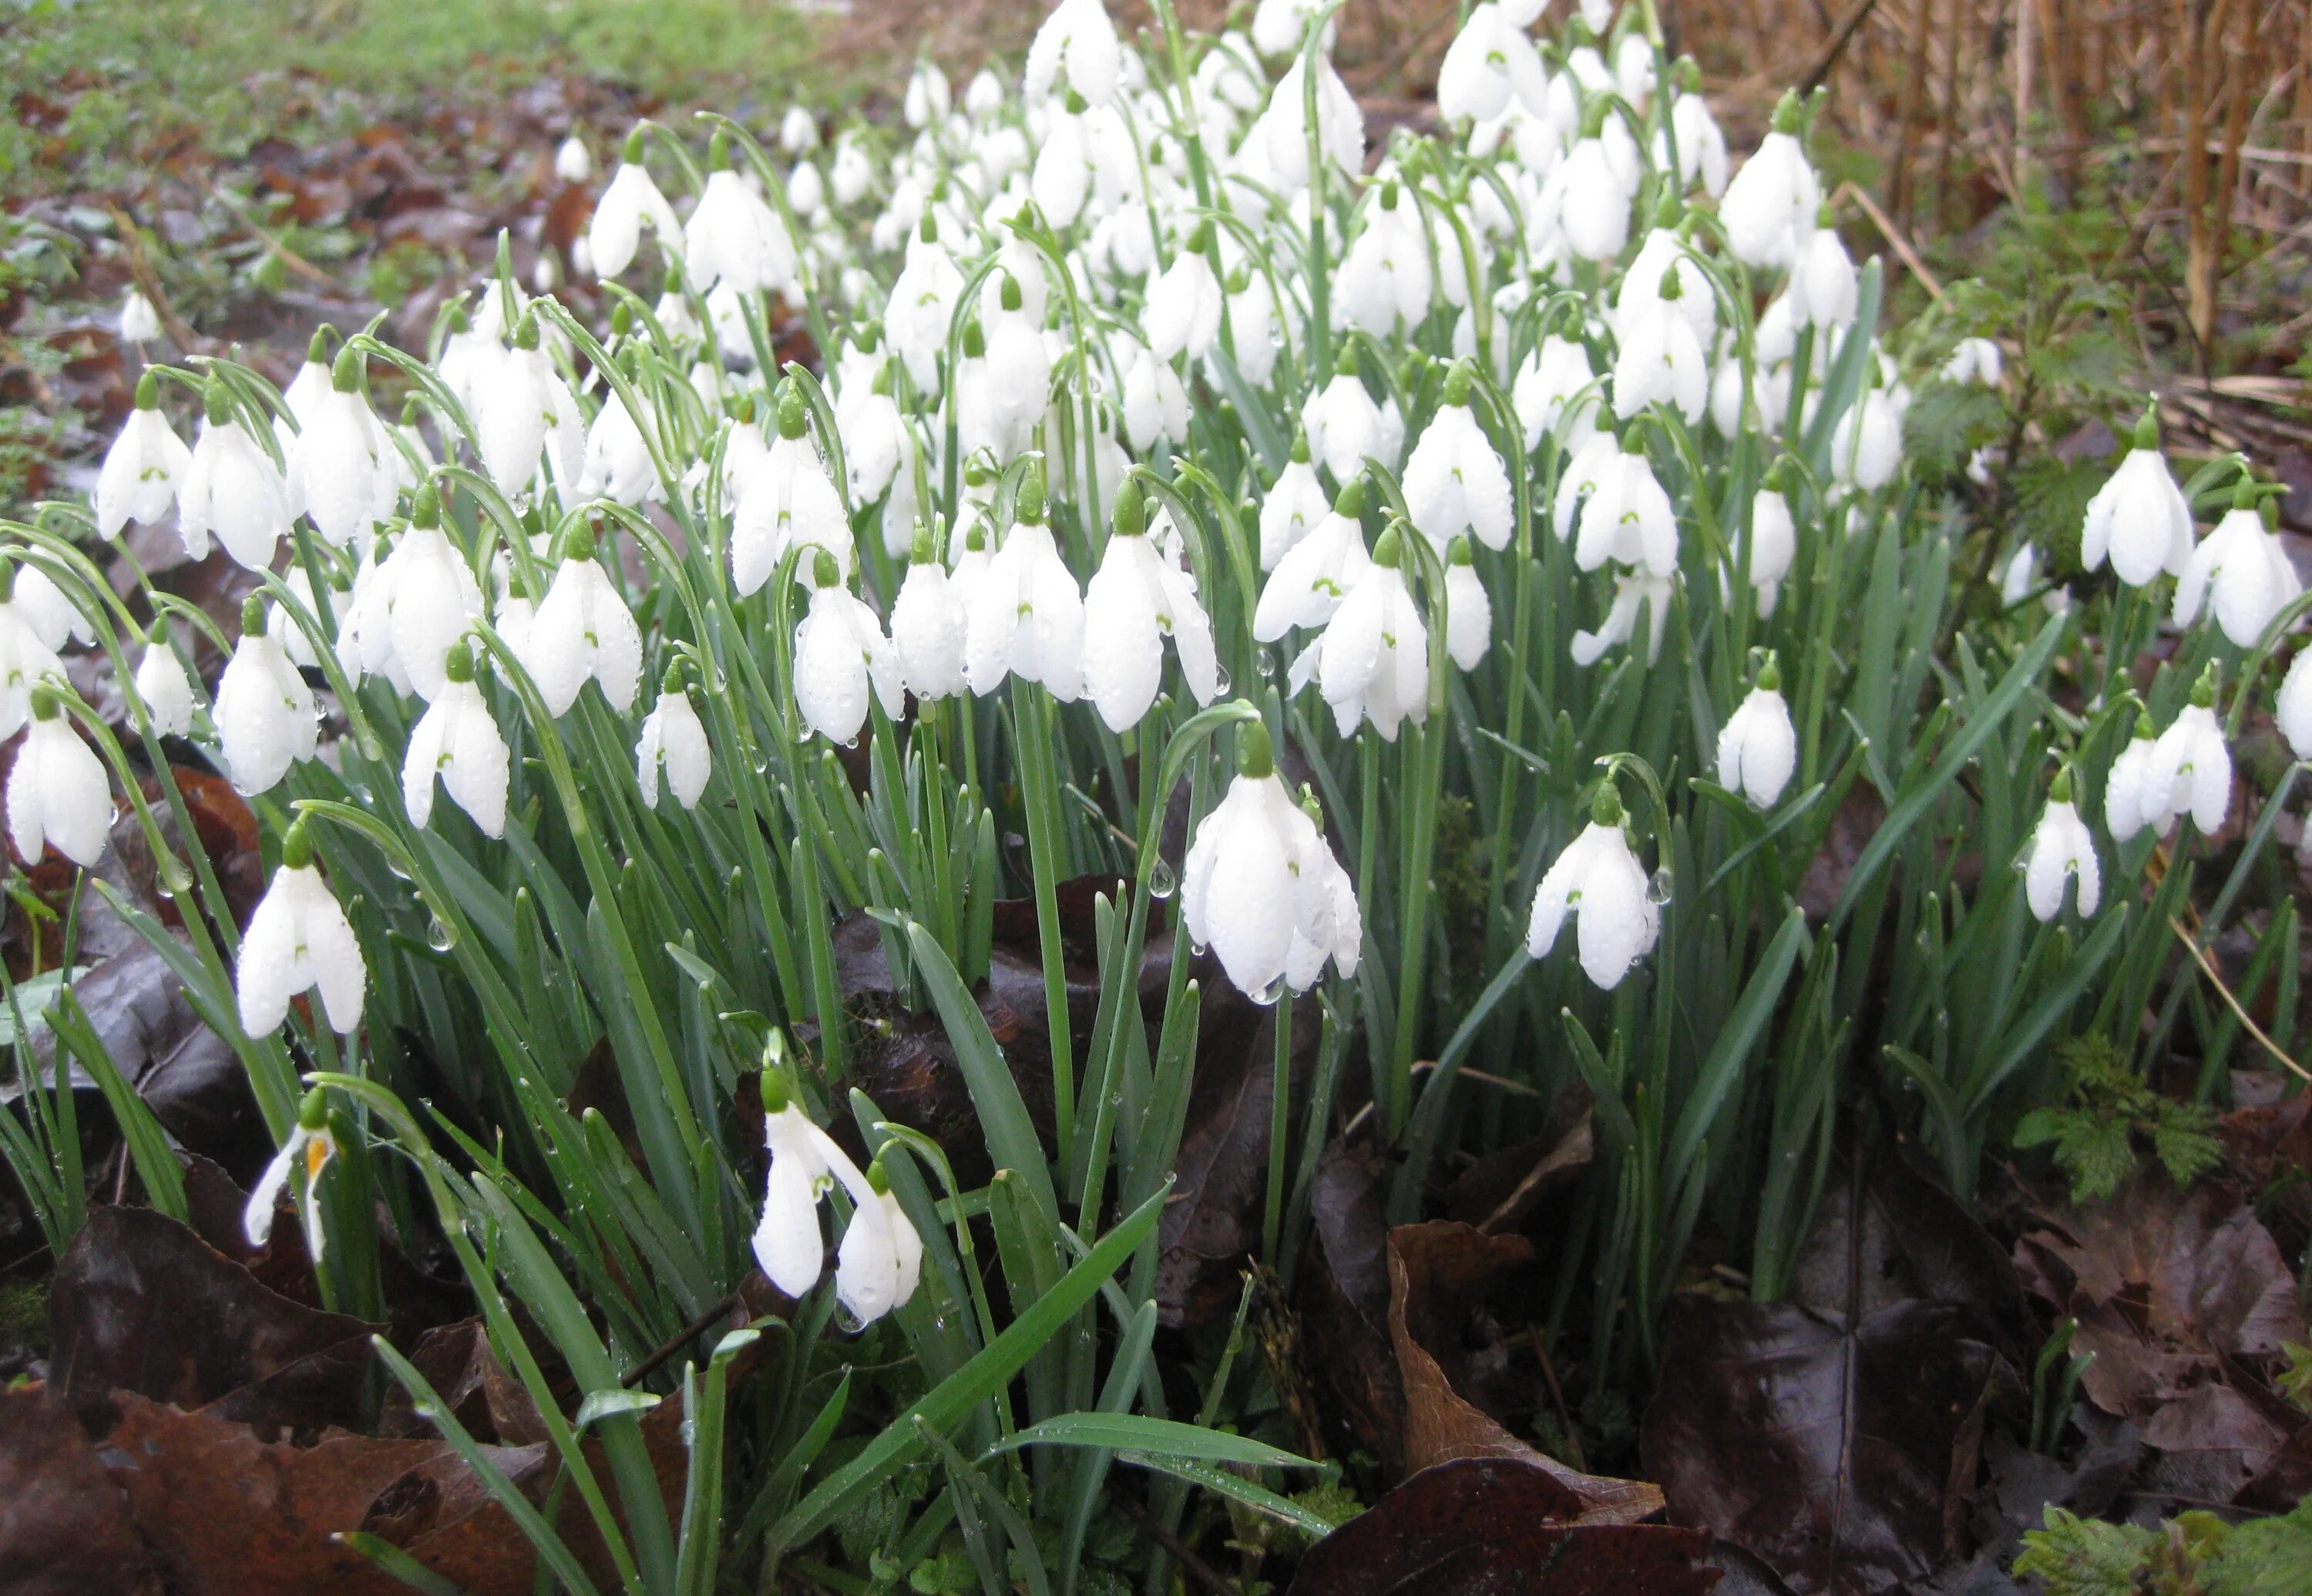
1184, 302
1600, 881
1135, 600
230, 487
2139, 517
1824, 287
1867, 449
165, 689
264, 712
673, 743
840, 651
1974, 360
573, 162
788, 1245
1770, 206
734, 237
1594, 209
791, 501
631, 200
1661, 360
2190, 769
522, 409
927, 625
1077, 40
618, 461
145, 467
140, 323
1701, 144
310, 1144
2243, 565
299, 940
345, 463
26, 656
1372, 663
2061, 850
1294, 505
2294, 707
851, 175
1342, 424
1468, 611
798, 131
1773, 544
1757, 748
458, 740
1454, 482
583, 630
926, 100
2131, 800
57, 791
878, 1260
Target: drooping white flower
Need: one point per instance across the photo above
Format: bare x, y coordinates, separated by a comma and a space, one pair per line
874, 436
346, 464
583, 630
1660, 361
1155, 402
618, 464
1769, 208
1468, 610
1315, 574
573, 162
1824, 287
1974, 360
1758, 748
791, 503
458, 740
840, 651
1867, 450
310, 1146
788, 1244
851, 174
1372, 661
1135, 600
2139, 517
1284, 127
145, 467
57, 790
1343, 424
2190, 770
521, 408
1592, 201
299, 940
1598, 879
1279, 27
2242, 565
231, 488
1260, 886
881, 1258
1626, 514
2061, 851
1556, 393
734, 237
798, 130
1385, 279
1023, 613
1455, 483
927, 622
1296, 503
673, 743
1078, 42
2293, 707
26, 656
2132, 800
1774, 546
264, 712
140, 323
1489, 61
1635, 592
1185, 302
417, 603
1701, 145
166, 690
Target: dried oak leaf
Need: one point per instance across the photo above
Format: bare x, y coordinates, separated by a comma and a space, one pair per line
1500, 1190
140, 1303
1498, 1527
1340, 1300
1838, 1436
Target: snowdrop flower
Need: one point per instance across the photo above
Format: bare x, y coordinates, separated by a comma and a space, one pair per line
1296, 502
1661, 360
880, 1257
2293, 708
1023, 613
618, 464
921, 302
1260, 886
1284, 127
1769, 208
791, 503
26, 656
2243, 566
1627, 516
2061, 850
2190, 769
839, 651
632, 202
1385, 279
1634, 591
788, 1245
1315, 574
1867, 450
1757, 747
734, 237
572, 163
1701, 145
798, 131
265, 715
673, 743
346, 473
851, 175
1593, 201
1824, 287
140, 323
1342, 424
1079, 42
231, 488
873, 432
1135, 600
521, 408
1556, 389
1489, 61
310, 1144
57, 791
582, 629
417, 603
166, 690
1279, 27
1974, 360
2132, 800
2139, 517
1454, 482
1018, 375
1600, 881
457, 740
299, 940
145, 467
927, 625
1155, 403
1372, 661
1468, 611
1773, 544
1184, 303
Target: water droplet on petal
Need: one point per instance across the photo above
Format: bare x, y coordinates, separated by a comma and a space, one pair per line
1161, 882
1220, 681
1658, 886
1266, 996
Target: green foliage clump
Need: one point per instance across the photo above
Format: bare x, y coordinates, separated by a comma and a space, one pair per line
2109, 1111
2194, 1554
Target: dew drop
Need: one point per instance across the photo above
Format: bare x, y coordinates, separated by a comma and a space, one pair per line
1220, 681
440, 935
1161, 882
394, 865
1266, 996
1196, 948
1658, 886
175, 875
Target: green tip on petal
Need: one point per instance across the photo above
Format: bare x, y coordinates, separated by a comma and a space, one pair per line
1030, 505
148, 391
1008, 296
975, 341
2203, 691
1790, 112
1672, 287
525, 332
2147, 428
794, 417
919, 550
1606, 808
1456, 553
296, 846
1457, 385
2060, 790
775, 1089
253, 616
718, 150
426, 508
46, 705
1770, 675
1351, 500
1130, 518
216, 402
317, 349
312, 1111
346, 375
1256, 752
1300, 449
2144, 729
824, 570
633, 154
1346, 366
458, 665
1389, 548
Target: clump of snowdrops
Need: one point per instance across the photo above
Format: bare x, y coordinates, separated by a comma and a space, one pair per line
1497, 546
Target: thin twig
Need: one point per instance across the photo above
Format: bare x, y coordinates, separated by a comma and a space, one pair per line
279, 251
2215, 977
682, 1338
1892, 234
1194, 1566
